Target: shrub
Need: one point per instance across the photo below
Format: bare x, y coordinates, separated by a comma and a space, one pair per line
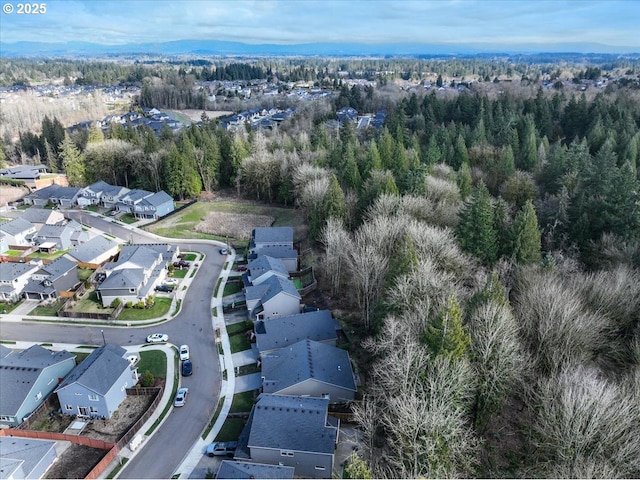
147, 379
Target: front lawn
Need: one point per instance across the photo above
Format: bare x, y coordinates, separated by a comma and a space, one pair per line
47, 311
180, 272
231, 430
239, 343
8, 307
239, 327
154, 361
160, 308
242, 402
231, 287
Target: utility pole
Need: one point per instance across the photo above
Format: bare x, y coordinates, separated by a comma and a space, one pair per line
104, 342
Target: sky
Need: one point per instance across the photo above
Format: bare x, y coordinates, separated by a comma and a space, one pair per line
495, 22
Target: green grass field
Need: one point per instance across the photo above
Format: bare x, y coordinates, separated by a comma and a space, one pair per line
154, 361
160, 308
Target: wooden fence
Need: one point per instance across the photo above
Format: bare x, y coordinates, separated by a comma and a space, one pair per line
61, 437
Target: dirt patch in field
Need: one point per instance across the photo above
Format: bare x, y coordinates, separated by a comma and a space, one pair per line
11, 194
233, 225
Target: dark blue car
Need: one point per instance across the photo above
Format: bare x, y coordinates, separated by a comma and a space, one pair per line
187, 368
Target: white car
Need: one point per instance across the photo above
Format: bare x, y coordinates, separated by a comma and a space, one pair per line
181, 397
171, 281
158, 338
184, 352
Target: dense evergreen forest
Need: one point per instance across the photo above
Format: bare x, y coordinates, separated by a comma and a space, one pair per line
483, 251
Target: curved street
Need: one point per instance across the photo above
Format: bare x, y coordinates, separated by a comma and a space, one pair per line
163, 452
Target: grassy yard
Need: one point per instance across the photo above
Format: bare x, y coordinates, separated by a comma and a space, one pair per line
47, 311
84, 273
8, 307
230, 430
248, 369
90, 304
231, 287
242, 402
239, 343
184, 225
179, 272
160, 308
239, 327
154, 361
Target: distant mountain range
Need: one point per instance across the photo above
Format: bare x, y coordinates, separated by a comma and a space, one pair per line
223, 48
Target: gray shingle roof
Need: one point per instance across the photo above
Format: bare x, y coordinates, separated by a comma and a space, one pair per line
99, 371
272, 235
246, 470
159, 198
10, 271
20, 370
27, 452
278, 285
284, 331
88, 252
37, 215
292, 423
278, 252
139, 255
304, 360
55, 231
60, 266
264, 264
16, 226
126, 278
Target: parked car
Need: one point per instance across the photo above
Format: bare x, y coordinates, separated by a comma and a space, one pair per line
181, 264
181, 397
242, 268
164, 288
187, 368
222, 448
184, 352
171, 281
223, 251
101, 277
158, 338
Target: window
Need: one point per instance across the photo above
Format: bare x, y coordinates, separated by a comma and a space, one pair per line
93, 398
93, 409
123, 388
286, 453
68, 407
4, 418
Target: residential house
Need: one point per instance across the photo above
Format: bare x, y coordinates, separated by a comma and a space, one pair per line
275, 297
154, 206
263, 268
281, 332
309, 369
56, 279
53, 194
132, 278
94, 252
97, 386
288, 256
60, 235
246, 470
130, 199
111, 196
28, 377
18, 232
42, 216
28, 173
291, 431
270, 237
13, 278
26, 458
92, 194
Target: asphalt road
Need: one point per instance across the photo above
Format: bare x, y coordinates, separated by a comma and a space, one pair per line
165, 450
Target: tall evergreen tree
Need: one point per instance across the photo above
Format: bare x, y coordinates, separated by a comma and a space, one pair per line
464, 181
73, 162
445, 335
526, 235
475, 231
